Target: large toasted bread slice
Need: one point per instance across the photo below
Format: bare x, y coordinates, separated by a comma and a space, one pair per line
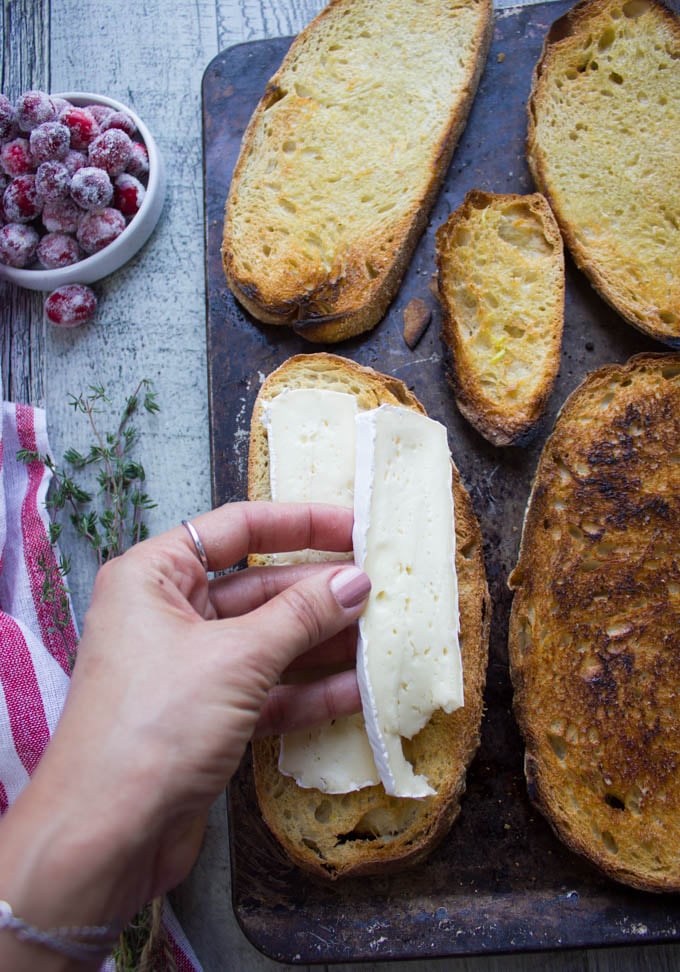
595, 623
344, 156
367, 831
603, 145
500, 279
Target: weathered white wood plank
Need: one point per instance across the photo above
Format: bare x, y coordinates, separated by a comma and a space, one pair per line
246, 20
151, 317
25, 64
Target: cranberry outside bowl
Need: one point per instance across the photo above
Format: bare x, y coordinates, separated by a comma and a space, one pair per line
133, 237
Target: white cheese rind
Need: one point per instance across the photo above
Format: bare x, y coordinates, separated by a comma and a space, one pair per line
408, 655
311, 438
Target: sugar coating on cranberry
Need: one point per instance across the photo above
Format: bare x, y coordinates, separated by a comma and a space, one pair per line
33, 108
16, 158
52, 180
122, 120
75, 160
111, 151
100, 112
49, 141
82, 125
91, 188
7, 117
138, 166
70, 305
56, 250
18, 244
21, 200
61, 215
96, 230
128, 194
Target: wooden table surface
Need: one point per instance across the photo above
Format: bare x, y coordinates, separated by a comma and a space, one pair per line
151, 54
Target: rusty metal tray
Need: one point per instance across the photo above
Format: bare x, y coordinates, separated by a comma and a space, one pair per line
501, 881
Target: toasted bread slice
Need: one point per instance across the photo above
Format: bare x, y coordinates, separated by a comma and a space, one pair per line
594, 630
367, 831
500, 280
344, 156
603, 145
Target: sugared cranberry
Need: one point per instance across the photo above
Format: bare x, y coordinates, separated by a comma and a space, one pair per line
128, 194
52, 180
100, 112
122, 120
16, 158
7, 118
61, 215
138, 166
91, 188
18, 244
49, 141
82, 125
34, 108
111, 151
21, 200
59, 104
97, 230
70, 305
57, 250
74, 160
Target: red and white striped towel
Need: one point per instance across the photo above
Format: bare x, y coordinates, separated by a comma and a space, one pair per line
34, 654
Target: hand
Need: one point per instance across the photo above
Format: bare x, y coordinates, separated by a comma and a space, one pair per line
174, 675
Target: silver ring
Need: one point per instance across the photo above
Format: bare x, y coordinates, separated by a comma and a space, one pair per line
200, 549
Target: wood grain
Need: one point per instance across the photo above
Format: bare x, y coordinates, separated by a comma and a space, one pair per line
151, 323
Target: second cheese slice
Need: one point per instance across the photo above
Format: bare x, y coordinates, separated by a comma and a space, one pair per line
408, 658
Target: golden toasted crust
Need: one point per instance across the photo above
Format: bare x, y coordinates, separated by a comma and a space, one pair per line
343, 158
595, 624
603, 143
366, 831
500, 279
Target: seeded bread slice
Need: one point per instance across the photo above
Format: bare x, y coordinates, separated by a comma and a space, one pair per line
500, 266
366, 831
344, 156
603, 146
594, 630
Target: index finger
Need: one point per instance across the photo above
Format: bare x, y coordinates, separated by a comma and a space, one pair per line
231, 532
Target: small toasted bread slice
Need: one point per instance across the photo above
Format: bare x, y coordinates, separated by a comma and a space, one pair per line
500, 278
366, 831
595, 624
343, 159
603, 146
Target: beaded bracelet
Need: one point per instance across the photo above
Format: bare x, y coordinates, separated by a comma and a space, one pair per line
82, 944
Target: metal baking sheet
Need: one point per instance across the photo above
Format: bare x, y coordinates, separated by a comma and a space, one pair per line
501, 881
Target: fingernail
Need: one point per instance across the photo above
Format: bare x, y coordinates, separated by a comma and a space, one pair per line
350, 587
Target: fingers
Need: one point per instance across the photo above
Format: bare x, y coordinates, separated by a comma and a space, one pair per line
232, 531
305, 615
244, 590
292, 707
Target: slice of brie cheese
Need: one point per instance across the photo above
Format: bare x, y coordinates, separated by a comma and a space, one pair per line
311, 436
408, 656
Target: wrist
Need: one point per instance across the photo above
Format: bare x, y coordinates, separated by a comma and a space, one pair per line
66, 860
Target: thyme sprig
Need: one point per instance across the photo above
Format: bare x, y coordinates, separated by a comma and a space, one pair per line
112, 520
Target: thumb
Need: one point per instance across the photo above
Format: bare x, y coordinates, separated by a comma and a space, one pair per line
308, 613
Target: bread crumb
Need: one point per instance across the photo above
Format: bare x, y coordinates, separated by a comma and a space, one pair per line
501, 58
417, 316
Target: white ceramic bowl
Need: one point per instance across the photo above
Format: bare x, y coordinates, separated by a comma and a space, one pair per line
133, 237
